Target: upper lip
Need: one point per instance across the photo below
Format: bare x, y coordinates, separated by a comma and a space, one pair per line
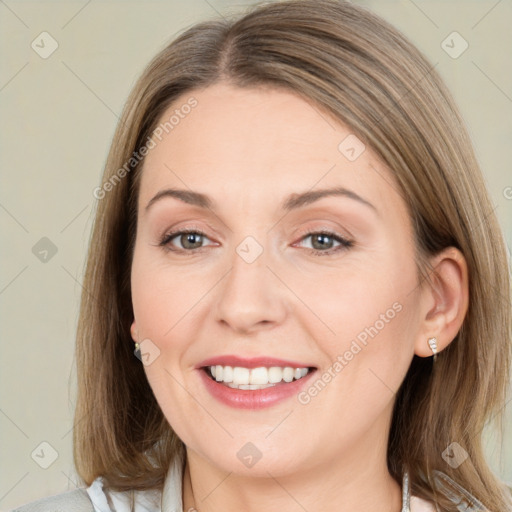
252, 362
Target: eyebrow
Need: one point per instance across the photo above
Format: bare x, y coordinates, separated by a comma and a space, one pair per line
292, 202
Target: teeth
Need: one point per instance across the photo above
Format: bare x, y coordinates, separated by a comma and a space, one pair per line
288, 374
241, 375
251, 386
255, 378
259, 376
227, 374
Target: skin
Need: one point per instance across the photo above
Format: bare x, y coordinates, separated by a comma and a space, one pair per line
248, 149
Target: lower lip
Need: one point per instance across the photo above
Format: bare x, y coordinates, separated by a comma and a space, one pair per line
254, 398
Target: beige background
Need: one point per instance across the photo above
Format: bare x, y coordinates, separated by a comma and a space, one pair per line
58, 117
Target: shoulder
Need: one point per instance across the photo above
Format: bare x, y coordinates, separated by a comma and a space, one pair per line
107, 500
95, 498
76, 500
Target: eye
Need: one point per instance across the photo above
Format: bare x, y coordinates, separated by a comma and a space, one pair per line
190, 240
322, 242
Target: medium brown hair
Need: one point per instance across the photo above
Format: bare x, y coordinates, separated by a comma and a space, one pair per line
355, 66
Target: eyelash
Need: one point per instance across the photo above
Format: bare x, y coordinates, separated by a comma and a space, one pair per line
344, 243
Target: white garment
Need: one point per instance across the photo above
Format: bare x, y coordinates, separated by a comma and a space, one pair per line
170, 500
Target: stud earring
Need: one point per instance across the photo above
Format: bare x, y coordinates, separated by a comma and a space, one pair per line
137, 352
135, 334
432, 343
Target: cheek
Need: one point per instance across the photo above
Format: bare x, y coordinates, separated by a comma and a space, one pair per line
363, 298
162, 296
367, 358
163, 303
371, 314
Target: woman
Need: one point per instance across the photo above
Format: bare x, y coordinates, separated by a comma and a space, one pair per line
294, 238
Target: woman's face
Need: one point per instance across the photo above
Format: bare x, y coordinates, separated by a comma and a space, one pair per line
249, 283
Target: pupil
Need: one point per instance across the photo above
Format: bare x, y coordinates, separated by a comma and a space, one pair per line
321, 237
190, 238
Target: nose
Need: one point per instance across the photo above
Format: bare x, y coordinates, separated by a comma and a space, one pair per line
251, 297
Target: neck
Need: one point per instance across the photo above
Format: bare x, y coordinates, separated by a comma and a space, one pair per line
343, 484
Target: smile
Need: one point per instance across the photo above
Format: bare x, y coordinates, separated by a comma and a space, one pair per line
255, 378
254, 388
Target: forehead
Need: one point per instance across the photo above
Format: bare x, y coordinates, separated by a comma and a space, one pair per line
259, 142
228, 122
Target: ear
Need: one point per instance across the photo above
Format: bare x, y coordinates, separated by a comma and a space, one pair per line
444, 301
134, 332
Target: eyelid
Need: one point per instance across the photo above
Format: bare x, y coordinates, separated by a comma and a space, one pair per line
302, 232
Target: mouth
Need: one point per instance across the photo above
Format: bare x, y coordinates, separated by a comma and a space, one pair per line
262, 377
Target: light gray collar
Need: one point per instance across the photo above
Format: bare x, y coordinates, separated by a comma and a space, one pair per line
171, 494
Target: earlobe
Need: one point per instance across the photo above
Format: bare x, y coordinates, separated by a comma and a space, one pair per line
134, 332
444, 303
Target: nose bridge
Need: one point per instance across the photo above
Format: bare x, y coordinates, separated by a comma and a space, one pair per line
250, 295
